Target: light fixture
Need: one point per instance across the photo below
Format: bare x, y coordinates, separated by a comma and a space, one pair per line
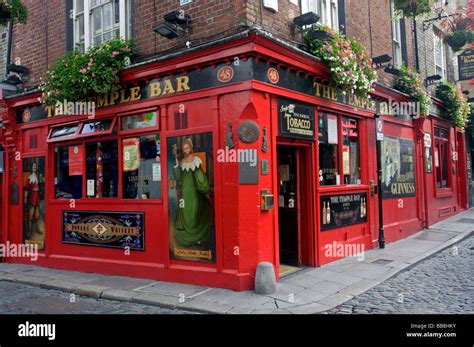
381, 59
176, 24
168, 30
432, 79
18, 69
322, 35
392, 70
306, 19
13, 80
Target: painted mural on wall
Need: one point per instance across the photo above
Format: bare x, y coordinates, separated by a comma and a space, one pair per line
191, 197
398, 167
33, 201
105, 229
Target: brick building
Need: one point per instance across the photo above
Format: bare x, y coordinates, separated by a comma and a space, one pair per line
150, 181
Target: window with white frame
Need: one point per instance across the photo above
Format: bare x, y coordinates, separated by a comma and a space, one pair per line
396, 38
97, 21
440, 63
326, 9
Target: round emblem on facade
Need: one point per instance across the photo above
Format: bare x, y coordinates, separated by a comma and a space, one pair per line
26, 116
76, 150
249, 131
273, 75
225, 74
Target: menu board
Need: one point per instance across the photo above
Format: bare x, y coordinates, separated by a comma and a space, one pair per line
342, 210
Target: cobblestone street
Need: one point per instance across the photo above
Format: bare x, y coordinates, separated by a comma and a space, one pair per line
442, 284
23, 299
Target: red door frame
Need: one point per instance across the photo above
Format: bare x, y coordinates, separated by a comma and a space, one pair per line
306, 255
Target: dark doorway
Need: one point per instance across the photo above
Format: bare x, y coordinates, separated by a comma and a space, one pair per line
288, 205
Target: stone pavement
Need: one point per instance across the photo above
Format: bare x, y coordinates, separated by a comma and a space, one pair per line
311, 290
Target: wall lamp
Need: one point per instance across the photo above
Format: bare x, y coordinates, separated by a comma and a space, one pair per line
381, 59
308, 18
176, 24
433, 79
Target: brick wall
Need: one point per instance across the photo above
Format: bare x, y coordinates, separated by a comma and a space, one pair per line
3, 50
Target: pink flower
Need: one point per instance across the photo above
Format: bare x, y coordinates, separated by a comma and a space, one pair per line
83, 70
330, 49
349, 72
93, 75
114, 53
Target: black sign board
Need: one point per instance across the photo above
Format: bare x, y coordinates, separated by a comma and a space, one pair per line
123, 230
343, 210
295, 119
398, 167
466, 65
1, 161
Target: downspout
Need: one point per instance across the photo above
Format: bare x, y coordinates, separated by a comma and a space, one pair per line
415, 39
379, 195
9, 46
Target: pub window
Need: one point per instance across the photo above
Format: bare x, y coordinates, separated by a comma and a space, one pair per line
141, 175
440, 65
62, 132
104, 127
140, 121
102, 169
68, 172
97, 21
339, 161
396, 37
441, 151
350, 151
327, 10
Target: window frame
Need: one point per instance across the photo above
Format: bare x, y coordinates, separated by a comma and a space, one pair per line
324, 10
96, 133
339, 150
448, 189
124, 25
396, 37
119, 136
437, 40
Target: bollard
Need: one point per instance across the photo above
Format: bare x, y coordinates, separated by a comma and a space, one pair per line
265, 281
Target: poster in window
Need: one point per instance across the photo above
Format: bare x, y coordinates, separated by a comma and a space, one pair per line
346, 160
191, 197
76, 160
332, 129
131, 154
33, 201
398, 167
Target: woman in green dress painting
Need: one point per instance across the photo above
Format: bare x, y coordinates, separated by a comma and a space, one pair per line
192, 224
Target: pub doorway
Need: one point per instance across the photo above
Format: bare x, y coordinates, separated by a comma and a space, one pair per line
294, 207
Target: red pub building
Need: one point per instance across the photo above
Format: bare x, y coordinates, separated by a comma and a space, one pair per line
210, 162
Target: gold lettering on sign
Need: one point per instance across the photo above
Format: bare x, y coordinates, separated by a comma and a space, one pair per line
122, 97
135, 93
183, 83
155, 89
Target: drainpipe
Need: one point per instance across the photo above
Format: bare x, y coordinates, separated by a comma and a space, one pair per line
379, 195
415, 39
9, 46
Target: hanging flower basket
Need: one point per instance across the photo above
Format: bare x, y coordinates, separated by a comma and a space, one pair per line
410, 83
413, 8
455, 103
349, 62
457, 39
12, 10
79, 75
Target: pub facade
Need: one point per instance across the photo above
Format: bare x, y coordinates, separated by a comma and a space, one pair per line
208, 163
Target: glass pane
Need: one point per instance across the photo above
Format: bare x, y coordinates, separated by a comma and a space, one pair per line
68, 172
97, 15
444, 165
102, 169
328, 137
107, 35
141, 174
80, 24
79, 6
117, 11
350, 151
97, 39
93, 127
107, 15
139, 121
64, 131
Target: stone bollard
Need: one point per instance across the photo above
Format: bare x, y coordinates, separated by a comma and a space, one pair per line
265, 281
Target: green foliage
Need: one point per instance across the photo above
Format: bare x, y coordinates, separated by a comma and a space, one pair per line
410, 83
79, 75
413, 8
349, 62
14, 10
455, 103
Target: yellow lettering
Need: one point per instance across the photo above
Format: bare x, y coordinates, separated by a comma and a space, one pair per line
182, 83
155, 89
114, 97
168, 88
49, 110
317, 89
102, 101
134, 93
122, 97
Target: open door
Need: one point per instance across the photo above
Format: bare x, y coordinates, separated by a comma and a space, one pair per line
294, 208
